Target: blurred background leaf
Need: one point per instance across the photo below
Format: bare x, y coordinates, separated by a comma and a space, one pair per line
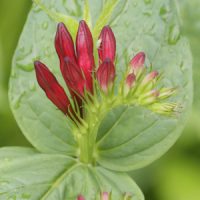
12, 18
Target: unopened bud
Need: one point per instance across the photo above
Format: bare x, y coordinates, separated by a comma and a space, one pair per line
80, 197
137, 63
150, 77
106, 75
167, 92
54, 91
105, 196
130, 80
84, 50
165, 108
107, 47
64, 44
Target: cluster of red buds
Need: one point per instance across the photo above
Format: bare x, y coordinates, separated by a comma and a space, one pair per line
107, 196
83, 79
78, 67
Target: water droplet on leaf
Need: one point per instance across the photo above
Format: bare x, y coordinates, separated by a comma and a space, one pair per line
36, 8
135, 4
182, 67
174, 34
32, 86
26, 196
147, 1
3, 183
45, 25
148, 13
27, 68
14, 197
22, 49
25, 61
16, 102
13, 74
164, 12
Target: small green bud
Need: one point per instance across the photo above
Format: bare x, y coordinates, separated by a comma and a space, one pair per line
167, 92
149, 97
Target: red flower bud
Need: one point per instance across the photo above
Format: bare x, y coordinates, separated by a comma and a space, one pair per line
84, 49
64, 44
51, 87
151, 76
105, 196
138, 61
130, 80
107, 48
106, 75
73, 77
80, 197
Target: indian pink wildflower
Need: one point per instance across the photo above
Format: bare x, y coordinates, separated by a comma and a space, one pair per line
77, 66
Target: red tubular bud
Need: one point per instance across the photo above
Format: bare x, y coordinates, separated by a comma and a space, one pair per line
51, 87
105, 196
84, 49
107, 48
64, 44
80, 197
130, 80
106, 75
73, 77
137, 62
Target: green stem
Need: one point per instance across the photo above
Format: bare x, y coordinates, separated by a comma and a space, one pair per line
86, 149
87, 136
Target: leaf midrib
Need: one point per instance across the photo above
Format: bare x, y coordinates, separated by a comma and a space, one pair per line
58, 181
114, 124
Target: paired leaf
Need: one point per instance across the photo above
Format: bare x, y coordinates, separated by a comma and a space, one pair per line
132, 137
25, 174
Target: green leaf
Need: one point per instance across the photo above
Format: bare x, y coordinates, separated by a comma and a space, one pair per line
43, 125
189, 12
87, 14
104, 17
132, 137
25, 174
10, 153
69, 21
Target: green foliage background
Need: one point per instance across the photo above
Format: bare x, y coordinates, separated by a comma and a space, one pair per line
176, 175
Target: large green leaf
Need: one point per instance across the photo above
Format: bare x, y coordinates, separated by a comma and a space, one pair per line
25, 174
44, 126
151, 26
132, 137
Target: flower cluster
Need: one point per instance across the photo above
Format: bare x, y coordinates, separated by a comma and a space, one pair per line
84, 79
78, 66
